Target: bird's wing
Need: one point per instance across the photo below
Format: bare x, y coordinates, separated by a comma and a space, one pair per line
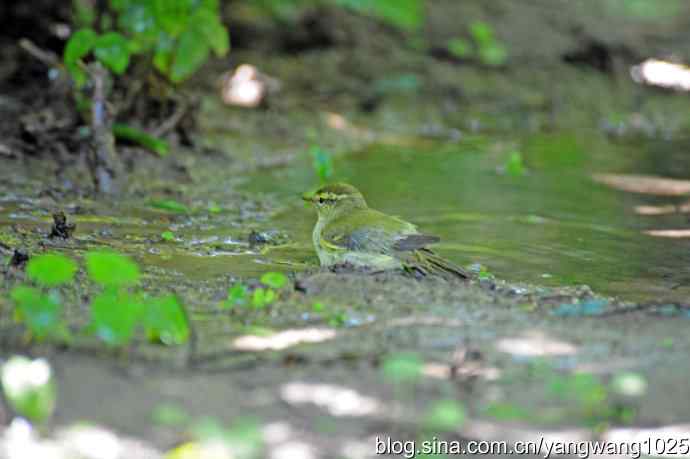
414, 242
388, 235
363, 239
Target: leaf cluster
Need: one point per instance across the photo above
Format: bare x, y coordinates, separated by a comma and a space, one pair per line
116, 312
261, 297
482, 45
177, 35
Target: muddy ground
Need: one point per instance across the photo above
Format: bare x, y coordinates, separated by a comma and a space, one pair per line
314, 387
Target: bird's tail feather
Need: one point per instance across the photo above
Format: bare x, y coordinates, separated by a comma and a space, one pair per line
426, 262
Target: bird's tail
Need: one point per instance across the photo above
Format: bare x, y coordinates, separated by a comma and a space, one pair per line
425, 262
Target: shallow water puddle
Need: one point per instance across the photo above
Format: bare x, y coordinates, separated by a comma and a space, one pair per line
553, 226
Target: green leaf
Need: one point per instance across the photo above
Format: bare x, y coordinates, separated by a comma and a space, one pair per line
274, 280
112, 49
460, 48
169, 205
237, 295
322, 163
211, 5
111, 269
213, 30
406, 14
338, 319
78, 46
482, 33
119, 5
84, 13
190, 55
114, 316
402, 368
167, 414
168, 236
138, 21
262, 297
166, 321
51, 269
40, 313
126, 132
445, 416
507, 412
494, 54
162, 58
515, 166
173, 15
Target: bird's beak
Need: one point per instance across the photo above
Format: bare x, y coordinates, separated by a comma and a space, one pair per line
308, 196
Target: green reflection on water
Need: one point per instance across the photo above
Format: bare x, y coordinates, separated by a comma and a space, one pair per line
553, 226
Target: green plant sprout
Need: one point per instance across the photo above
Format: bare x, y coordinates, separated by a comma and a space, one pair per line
39, 310
168, 414
402, 368
111, 269
581, 396
169, 205
405, 14
445, 415
151, 143
116, 312
177, 35
274, 280
51, 269
173, 37
483, 45
260, 297
321, 163
515, 165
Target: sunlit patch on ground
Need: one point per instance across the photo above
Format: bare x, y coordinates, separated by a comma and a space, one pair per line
283, 339
656, 72
535, 344
336, 400
21, 441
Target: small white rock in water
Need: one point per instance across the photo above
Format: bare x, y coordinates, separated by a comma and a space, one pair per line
28, 387
629, 384
656, 72
20, 373
247, 87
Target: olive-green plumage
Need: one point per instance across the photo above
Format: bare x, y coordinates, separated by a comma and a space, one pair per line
349, 232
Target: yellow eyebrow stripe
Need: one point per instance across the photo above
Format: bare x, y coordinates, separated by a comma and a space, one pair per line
332, 196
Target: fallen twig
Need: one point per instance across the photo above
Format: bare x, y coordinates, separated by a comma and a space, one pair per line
172, 122
47, 57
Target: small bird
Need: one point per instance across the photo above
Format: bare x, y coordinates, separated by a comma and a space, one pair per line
349, 232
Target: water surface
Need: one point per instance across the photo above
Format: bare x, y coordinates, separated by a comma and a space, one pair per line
552, 226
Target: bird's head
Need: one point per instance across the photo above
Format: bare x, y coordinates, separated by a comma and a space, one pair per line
334, 200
